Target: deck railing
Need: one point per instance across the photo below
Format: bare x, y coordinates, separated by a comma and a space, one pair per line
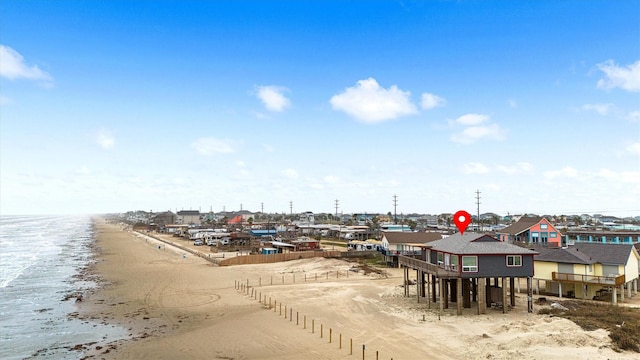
588, 279
432, 269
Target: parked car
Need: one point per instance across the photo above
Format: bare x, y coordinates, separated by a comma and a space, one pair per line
198, 242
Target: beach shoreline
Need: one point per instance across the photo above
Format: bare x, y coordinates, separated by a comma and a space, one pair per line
176, 305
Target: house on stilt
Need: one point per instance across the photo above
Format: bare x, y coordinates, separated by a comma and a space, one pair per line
470, 268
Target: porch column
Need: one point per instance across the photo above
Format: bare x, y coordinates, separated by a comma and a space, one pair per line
537, 286
482, 296
422, 287
441, 293
459, 296
635, 286
512, 294
614, 298
518, 286
418, 285
433, 287
504, 295
428, 287
405, 271
622, 292
560, 290
529, 295
629, 289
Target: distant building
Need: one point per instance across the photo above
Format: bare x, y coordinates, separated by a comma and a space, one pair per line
586, 270
599, 236
188, 217
531, 230
396, 243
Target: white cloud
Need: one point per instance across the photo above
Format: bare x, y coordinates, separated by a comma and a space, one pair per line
602, 109
634, 148
476, 127
519, 168
370, 103
272, 97
513, 104
565, 172
470, 119
13, 67
624, 77
211, 146
105, 139
430, 101
290, 173
474, 168
472, 134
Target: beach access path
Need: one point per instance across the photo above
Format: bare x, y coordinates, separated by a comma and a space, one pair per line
182, 306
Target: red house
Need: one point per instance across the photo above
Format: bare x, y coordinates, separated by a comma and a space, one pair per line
534, 230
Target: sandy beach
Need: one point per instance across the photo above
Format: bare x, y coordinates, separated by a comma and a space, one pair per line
179, 306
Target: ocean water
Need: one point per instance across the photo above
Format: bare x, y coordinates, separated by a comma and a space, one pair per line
41, 263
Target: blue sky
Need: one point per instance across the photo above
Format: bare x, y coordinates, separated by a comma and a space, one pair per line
109, 106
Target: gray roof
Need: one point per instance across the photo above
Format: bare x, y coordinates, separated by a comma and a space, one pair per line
477, 244
569, 255
617, 254
587, 253
398, 237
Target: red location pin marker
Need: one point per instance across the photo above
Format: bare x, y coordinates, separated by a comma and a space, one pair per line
462, 219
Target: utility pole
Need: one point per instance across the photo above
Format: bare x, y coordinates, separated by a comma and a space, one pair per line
337, 204
478, 205
291, 208
395, 205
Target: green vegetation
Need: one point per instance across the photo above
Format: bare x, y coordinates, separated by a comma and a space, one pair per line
623, 323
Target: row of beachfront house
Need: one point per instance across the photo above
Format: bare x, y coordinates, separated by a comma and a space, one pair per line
475, 268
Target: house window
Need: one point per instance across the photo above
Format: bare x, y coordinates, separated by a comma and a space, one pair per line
440, 258
553, 234
470, 264
544, 226
514, 260
454, 262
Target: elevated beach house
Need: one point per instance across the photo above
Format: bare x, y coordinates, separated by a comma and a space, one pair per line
470, 268
588, 271
531, 230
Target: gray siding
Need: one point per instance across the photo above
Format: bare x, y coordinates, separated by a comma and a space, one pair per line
493, 266
496, 266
